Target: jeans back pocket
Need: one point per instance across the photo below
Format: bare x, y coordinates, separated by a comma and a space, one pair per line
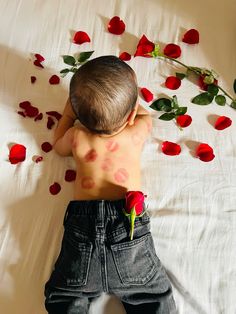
136, 261
74, 261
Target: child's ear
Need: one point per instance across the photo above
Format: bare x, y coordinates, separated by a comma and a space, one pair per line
132, 115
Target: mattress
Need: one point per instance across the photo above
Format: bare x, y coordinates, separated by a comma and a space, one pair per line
191, 201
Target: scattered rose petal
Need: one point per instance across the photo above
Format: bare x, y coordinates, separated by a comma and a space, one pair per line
191, 37
54, 114
202, 84
147, 95
39, 57
17, 153
172, 51
144, 47
70, 175
173, 82
21, 113
33, 79
184, 120
38, 64
30, 111
125, 56
171, 149
46, 147
116, 26
55, 188
81, 37
24, 105
39, 117
54, 80
223, 123
50, 123
38, 159
204, 152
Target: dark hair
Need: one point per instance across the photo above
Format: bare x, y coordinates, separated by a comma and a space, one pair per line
103, 92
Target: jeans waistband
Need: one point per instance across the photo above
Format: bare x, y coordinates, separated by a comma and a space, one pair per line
96, 207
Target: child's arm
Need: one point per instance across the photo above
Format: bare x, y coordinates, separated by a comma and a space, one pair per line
63, 135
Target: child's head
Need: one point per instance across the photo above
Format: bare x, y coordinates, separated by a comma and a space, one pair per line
103, 93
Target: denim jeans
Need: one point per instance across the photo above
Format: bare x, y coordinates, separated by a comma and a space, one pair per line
98, 256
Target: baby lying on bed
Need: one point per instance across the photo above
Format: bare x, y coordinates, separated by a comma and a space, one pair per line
97, 254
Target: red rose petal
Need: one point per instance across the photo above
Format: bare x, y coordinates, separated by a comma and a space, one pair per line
21, 113
222, 123
205, 152
172, 51
173, 82
184, 120
33, 79
191, 37
38, 64
39, 57
17, 153
203, 85
55, 188
70, 175
46, 147
25, 105
54, 114
39, 117
147, 95
171, 149
116, 26
50, 123
81, 37
54, 79
125, 56
144, 47
38, 159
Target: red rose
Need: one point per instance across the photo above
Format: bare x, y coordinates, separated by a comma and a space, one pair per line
202, 84
144, 47
172, 51
134, 207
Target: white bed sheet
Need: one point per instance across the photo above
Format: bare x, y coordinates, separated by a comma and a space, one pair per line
192, 203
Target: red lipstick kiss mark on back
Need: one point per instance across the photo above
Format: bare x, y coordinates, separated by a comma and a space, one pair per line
112, 146
91, 155
107, 164
121, 175
87, 182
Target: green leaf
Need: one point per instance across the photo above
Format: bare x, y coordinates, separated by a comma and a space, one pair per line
235, 86
220, 100
161, 104
233, 104
64, 71
213, 89
167, 116
180, 75
84, 56
180, 111
203, 99
69, 60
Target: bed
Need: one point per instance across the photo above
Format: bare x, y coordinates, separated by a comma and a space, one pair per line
192, 203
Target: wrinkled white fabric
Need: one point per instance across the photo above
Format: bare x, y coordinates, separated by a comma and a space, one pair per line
192, 203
